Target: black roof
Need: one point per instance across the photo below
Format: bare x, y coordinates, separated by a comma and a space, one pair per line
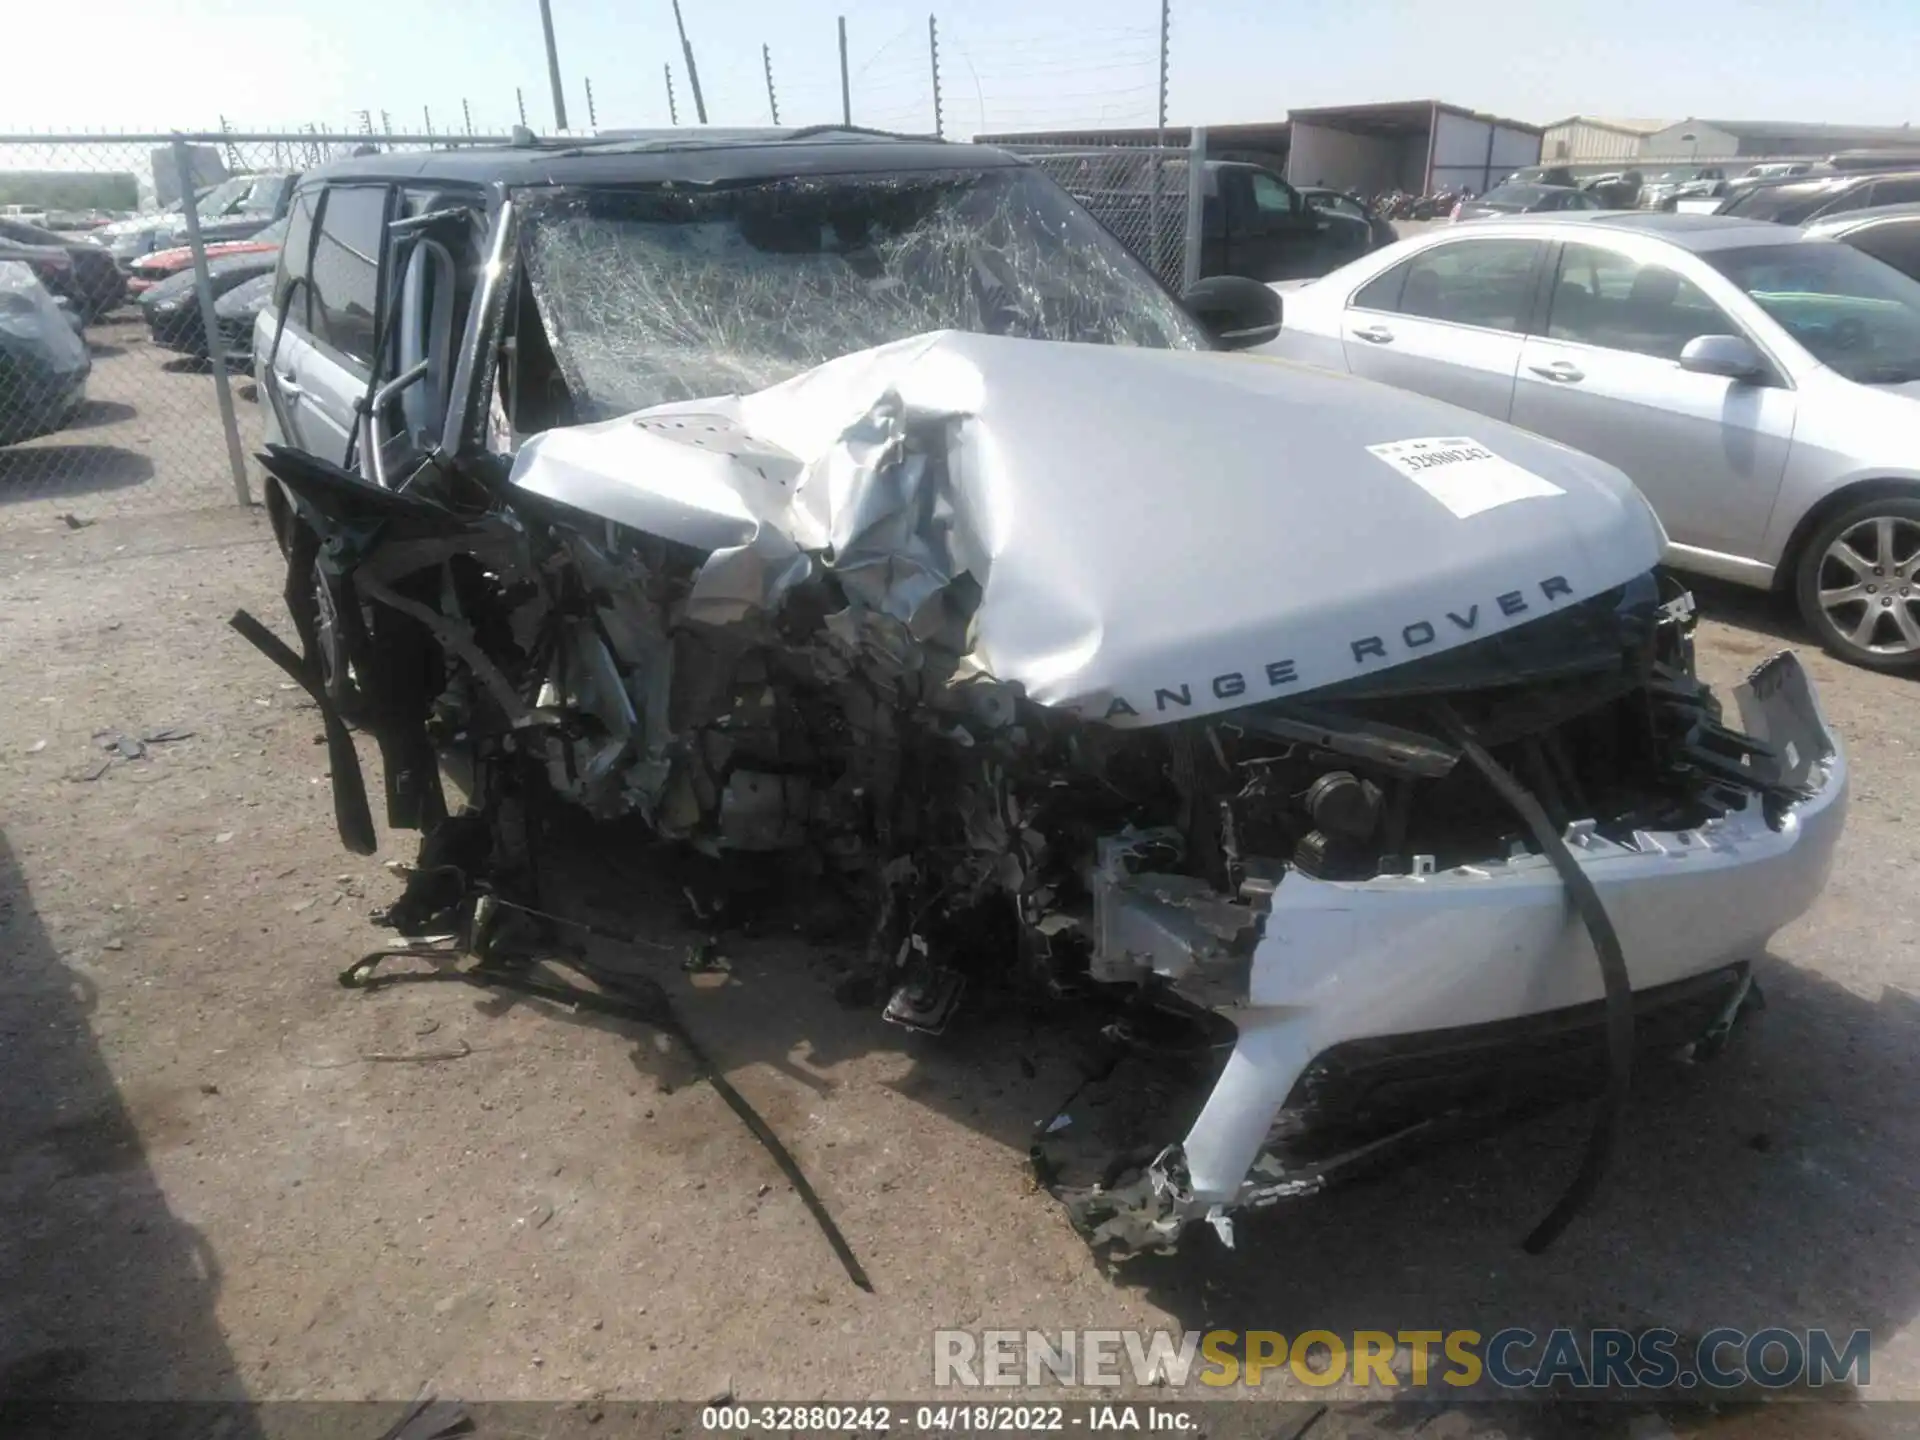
692, 156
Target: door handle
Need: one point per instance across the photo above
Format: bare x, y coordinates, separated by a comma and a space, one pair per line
288, 386
1374, 335
1564, 370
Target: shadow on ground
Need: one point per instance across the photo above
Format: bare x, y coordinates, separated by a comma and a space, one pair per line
96, 413
47, 471
105, 1294
1762, 611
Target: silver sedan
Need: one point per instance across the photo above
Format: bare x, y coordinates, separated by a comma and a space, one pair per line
1761, 386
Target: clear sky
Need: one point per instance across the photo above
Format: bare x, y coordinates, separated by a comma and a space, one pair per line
1006, 64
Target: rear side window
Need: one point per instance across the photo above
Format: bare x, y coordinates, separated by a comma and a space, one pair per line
1897, 245
1782, 204
293, 255
1895, 192
346, 271
1605, 299
1485, 283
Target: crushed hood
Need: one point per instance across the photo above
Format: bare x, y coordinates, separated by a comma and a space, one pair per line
1153, 535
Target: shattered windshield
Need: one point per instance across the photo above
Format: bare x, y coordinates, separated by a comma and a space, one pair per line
662, 294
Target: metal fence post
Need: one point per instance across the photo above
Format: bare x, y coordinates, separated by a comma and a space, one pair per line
210, 326
1196, 205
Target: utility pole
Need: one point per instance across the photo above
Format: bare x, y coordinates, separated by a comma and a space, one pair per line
427, 116
593, 120
773, 101
693, 70
520, 99
1161, 116
846, 87
933, 59
673, 110
1157, 246
553, 66
466, 113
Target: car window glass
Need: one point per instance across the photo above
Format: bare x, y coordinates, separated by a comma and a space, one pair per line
1852, 313
1271, 196
1896, 192
1469, 282
293, 254
1383, 291
1603, 298
346, 270
1897, 245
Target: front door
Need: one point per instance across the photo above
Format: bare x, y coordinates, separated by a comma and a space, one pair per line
1604, 376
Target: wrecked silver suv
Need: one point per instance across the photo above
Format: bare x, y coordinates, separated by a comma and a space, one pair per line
859, 502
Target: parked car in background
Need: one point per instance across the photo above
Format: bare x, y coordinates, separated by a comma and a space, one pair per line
1524, 200
231, 210
171, 308
1669, 181
151, 270
1803, 198
1761, 387
1557, 175
1352, 207
1896, 158
51, 265
1774, 170
1618, 191
1890, 234
43, 361
235, 315
1253, 223
96, 283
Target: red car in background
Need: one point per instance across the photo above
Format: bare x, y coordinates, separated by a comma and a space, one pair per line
149, 270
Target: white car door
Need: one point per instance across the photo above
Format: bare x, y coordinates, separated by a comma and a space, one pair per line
336, 362
1604, 376
1447, 321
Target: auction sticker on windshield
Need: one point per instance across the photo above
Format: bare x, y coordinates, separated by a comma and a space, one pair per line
1462, 474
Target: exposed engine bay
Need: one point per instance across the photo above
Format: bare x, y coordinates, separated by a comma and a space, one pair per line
751, 677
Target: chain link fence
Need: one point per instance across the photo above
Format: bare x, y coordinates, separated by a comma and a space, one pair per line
1148, 197
130, 270
131, 267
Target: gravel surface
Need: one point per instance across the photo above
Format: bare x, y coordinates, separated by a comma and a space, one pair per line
224, 1175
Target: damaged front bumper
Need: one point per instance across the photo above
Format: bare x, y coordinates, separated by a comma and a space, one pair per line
1474, 949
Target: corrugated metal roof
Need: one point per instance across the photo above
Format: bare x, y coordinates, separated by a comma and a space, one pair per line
1804, 130
1616, 123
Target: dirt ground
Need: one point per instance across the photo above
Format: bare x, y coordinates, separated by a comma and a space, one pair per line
148, 441
226, 1176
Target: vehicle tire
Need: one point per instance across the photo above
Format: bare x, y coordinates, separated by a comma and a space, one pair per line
1857, 581
316, 615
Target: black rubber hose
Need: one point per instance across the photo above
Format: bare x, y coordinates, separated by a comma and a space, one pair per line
351, 814
1611, 1117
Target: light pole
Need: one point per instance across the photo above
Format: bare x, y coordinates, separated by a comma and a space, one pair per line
553, 66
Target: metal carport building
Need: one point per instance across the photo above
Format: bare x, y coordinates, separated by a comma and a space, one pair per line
1420, 146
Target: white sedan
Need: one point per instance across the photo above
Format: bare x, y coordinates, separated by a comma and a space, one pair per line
1762, 387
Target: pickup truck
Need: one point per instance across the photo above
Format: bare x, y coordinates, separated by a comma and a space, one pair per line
1254, 223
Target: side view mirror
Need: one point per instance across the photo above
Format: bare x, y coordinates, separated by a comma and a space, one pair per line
1235, 311
1729, 356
